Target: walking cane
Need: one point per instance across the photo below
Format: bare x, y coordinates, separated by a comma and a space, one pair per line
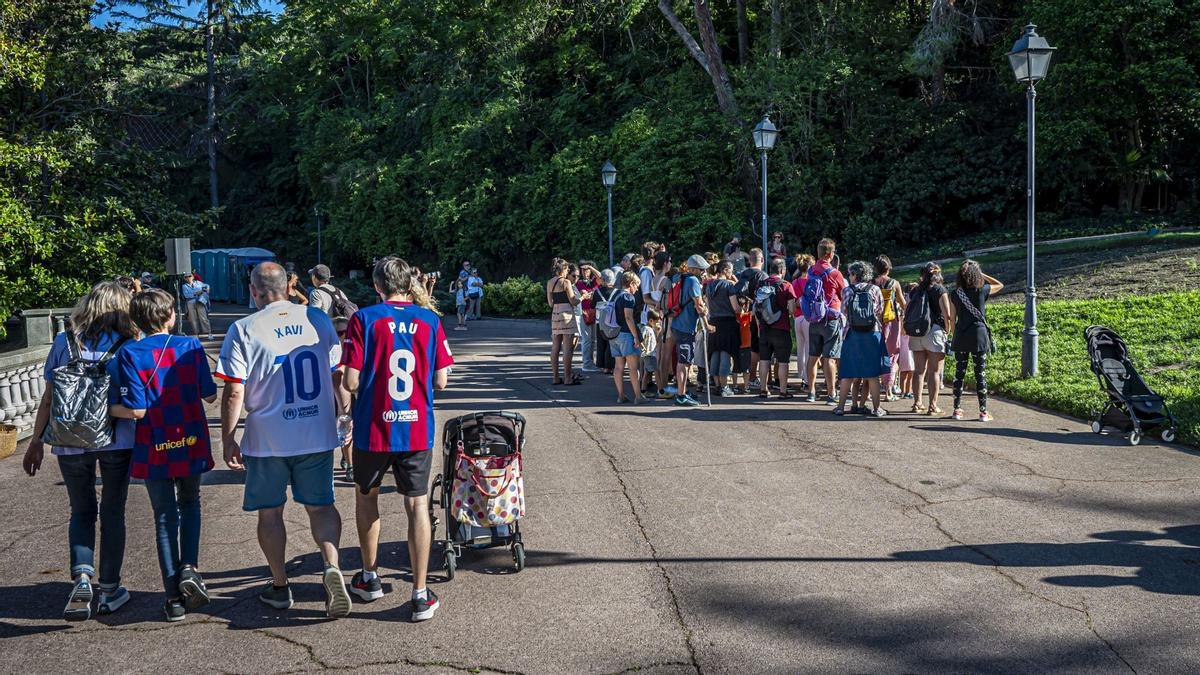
702, 325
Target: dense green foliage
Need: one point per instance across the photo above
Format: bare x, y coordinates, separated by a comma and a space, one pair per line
1163, 334
516, 297
78, 200
442, 129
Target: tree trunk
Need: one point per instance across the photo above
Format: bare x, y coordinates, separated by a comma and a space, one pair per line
212, 103
776, 29
743, 28
710, 59
716, 64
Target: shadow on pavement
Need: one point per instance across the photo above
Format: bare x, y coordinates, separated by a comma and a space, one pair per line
1170, 570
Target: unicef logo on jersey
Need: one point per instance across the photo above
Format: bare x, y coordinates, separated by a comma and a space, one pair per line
392, 416
290, 414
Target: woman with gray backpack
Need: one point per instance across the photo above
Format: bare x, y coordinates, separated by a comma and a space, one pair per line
863, 354
73, 419
972, 336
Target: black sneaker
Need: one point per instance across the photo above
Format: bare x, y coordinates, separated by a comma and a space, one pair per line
366, 590
79, 603
424, 609
191, 586
174, 610
274, 596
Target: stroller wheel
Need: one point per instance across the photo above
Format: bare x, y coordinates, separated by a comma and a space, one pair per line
451, 564
1135, 437
519, 556
1097, 427
1168, 435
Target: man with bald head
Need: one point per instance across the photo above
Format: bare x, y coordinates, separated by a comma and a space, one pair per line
277, 363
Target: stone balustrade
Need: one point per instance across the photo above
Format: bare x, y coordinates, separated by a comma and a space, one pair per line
21, 387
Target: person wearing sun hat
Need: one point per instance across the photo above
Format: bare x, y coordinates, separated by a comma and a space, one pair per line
683, 326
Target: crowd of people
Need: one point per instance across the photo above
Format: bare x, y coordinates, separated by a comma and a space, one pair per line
311, 371
859, 337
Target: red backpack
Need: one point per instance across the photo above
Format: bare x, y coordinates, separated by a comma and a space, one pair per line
675, 299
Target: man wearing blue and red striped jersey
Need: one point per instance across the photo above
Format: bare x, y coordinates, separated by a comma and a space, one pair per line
395, 355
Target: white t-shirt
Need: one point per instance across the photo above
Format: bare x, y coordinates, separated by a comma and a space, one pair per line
284, 356
646, 275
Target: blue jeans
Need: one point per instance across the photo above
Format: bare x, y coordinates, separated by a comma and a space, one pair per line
79, 475
176, 503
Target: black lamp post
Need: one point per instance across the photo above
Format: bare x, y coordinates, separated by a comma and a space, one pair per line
1030, 59
765, 134
608, 175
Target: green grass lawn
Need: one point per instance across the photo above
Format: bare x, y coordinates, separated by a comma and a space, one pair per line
1163, 334
1165, 240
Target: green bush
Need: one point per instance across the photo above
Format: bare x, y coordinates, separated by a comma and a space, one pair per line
518, 297
1163, 334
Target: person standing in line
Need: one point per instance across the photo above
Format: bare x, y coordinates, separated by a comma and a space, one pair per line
626, 348
722, 297
195, 297
586, 284
164, 382
395, 356
803, 263
100, 326
776, 338
864, 359
562, 297
891, 318
748, 282
605, 294
474, 295
278, 362
825, 335
972, 336
683, 326
645, 274
929, 350
661, 284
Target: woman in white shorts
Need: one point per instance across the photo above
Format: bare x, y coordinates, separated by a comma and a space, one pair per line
929, 350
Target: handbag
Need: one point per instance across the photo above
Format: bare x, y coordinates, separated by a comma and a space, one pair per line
488, 491
975, 312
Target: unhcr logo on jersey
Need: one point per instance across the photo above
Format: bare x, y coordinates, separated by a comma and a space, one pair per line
174, 445
290, 414
391, 416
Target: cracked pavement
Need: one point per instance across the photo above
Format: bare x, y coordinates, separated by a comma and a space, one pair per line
750, 537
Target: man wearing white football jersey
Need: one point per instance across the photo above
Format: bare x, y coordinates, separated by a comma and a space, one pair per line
278, 362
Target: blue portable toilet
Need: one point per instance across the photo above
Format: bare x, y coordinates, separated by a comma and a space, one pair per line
211, 265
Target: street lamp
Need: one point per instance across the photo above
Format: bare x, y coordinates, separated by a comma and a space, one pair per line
1030, 59
317, 213
608, 175
765, 134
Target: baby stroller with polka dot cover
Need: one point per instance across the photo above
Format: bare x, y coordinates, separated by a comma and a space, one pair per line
480, 492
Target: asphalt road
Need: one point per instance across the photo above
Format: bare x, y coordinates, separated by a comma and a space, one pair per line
749, 537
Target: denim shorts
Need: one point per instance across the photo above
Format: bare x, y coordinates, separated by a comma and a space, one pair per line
267, 480
622, 346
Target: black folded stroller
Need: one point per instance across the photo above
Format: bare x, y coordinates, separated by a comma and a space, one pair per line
490, 443
1132, 406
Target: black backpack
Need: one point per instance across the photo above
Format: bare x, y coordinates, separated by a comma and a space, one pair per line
340, 306
861, 311
79, 400
917, 319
